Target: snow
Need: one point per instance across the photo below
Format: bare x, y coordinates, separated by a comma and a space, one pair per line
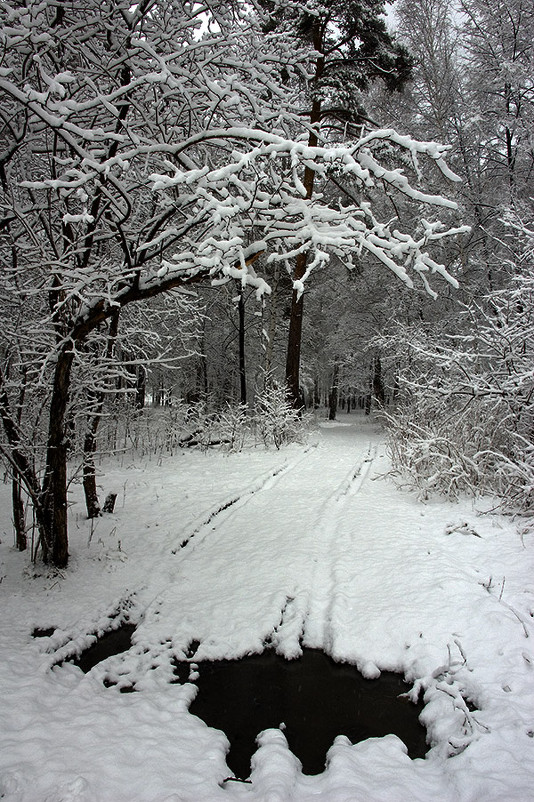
310, 545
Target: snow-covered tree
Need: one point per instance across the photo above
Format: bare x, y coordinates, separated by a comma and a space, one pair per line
352, 47
499, 53
148, 148
462, 368
465, 417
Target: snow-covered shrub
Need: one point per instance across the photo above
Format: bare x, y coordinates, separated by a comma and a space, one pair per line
234, 426
429, 455
275, 420
464, 418
207, 425
163, 430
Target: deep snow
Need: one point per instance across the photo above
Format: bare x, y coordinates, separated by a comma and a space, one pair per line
309, 545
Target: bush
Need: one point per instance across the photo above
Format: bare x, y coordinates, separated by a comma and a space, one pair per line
275, 420
464, 418
163, 430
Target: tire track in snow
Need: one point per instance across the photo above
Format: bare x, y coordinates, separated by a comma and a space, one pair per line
221, 512
334, 541
201, 532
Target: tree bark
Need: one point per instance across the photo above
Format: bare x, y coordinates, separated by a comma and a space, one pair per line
92, 502
54, 496
334, 393
297, 300
294, 340
201, 382
19, 518
21, 466
296, 315
378, 385
140, 389
242, 367
273, 323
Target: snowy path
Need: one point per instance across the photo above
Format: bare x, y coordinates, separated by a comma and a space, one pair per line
227, 554
242, 552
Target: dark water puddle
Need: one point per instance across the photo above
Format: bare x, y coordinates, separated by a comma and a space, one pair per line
313, 697
42, 632
113, 642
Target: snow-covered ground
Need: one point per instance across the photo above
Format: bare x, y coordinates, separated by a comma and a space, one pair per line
308, 545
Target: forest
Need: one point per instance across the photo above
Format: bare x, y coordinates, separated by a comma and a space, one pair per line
216, 213
266, 400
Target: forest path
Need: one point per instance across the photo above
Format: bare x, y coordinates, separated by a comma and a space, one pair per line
270, 554
218, 555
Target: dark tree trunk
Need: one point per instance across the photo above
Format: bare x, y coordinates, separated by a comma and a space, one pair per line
334, 393
140, 390
202, 383
54, 536
381, 53
297, 301
273, 324
378, 385
242, 369
22, 468
295, 338
19, 518
109, 503
92, 502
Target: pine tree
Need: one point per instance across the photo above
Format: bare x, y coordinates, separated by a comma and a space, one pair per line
351, 48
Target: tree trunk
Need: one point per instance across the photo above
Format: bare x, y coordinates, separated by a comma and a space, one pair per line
242, 370
273, 324
54, 533
334, 393
89, 472
140, 389
202, 384
22, 468
378, 385
297, 300
90, 442
295, 337
19, 518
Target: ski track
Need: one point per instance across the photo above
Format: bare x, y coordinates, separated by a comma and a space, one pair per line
68, 645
